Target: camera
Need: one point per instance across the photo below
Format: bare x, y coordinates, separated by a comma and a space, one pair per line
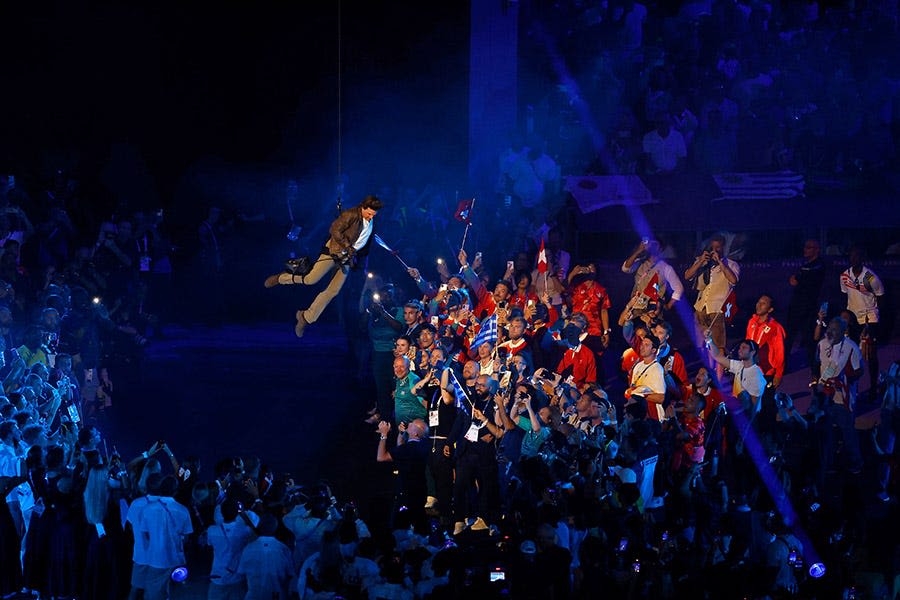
299, 266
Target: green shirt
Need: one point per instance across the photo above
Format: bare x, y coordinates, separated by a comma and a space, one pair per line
407, 406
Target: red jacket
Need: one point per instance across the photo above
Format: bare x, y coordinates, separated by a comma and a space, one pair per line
769, 336
584, 367
589, 297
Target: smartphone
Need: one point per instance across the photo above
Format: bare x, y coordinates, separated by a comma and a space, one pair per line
73, 413
509, 265
443, 287
498, 576
478, 255
824, 307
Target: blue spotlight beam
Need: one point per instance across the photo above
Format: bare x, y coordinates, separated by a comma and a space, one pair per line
640, 224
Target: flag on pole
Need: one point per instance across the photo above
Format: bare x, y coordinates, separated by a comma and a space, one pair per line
458, 391
730, 307
464, 211
652, 289
487, 332
542, 259
381, 243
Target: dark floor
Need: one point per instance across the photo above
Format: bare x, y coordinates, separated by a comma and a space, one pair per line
253, 390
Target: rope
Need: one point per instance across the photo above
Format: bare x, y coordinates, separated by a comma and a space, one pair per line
340, 139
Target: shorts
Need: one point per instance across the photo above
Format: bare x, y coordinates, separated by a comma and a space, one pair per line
157, 583
717, 320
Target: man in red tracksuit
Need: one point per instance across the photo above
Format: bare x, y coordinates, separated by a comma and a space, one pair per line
577, 357
769, 336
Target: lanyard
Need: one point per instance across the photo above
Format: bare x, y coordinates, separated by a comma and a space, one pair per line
639, 377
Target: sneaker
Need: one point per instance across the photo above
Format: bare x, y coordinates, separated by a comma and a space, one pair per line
301, 324
271, 280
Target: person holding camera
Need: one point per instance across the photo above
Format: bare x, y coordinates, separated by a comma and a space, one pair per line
350, 237
714, 276
411, 455
840, 367
651, 271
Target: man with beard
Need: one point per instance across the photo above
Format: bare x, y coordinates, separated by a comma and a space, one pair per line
471, 444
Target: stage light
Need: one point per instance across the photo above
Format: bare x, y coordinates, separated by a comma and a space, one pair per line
370, 275
96, 300
817, 570
440, 261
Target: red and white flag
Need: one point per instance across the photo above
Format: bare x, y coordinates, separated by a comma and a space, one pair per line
652, 289
729, 307
464, 210
542, 259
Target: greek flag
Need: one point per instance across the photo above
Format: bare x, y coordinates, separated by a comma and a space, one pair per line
487, 333
461, 397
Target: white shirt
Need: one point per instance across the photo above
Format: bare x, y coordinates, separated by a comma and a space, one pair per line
163, 524
364, 235
9, 461
267, 565
752, 379
861, 294
139, 554
643, 272
713, 295
665, 152
649, 379
833, 359
228, 541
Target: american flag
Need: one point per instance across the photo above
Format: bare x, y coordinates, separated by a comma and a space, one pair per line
487, 333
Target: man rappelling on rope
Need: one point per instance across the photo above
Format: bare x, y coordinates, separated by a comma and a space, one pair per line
349, 237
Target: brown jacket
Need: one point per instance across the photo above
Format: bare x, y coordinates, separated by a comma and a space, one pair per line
345, 230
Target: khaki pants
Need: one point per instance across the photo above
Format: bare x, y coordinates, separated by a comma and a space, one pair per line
324, 265
717, 331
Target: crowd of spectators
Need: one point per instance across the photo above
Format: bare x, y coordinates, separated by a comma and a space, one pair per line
712, 86
669, 476
524, 468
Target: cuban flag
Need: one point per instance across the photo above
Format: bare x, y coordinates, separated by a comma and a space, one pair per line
542, 259
487, 332
464, 211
